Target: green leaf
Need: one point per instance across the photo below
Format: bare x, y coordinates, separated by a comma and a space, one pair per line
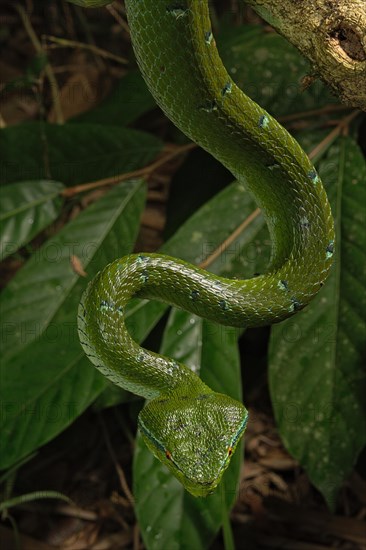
317, 376
269, 69
169, 517
72, 153
128, 101
47, 380
26, 208
112, 395
207, 230
203, 176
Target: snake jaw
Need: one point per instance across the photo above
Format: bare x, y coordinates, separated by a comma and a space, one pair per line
194, 436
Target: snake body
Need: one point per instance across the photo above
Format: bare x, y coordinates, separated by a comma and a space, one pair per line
190, 428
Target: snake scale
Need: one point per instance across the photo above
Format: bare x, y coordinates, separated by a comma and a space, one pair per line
190, 428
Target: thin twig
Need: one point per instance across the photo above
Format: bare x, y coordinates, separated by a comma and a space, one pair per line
338, 130
2, 122
146, 171
70, 26
218, 251
314, 112
48, 68
65, 43
120, 472
136, 537
114, 13
75, 512
88, 35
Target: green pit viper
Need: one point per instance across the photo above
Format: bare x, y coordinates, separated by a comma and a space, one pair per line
189, 427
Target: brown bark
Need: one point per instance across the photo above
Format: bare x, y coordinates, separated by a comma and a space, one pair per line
331, 34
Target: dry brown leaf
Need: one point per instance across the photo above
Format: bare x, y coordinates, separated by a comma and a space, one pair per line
77, 266
122, 539
83, 539
279, 464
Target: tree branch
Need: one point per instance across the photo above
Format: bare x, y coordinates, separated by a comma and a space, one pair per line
331, 34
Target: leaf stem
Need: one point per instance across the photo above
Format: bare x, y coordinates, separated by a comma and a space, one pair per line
145, 171
48, 69
314, 112
114, 13
231, 238
331, 137
65, 43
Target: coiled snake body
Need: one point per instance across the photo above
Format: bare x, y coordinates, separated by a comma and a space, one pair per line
190, 428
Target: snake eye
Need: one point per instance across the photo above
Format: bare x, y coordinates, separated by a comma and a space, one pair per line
230, 451
168, 455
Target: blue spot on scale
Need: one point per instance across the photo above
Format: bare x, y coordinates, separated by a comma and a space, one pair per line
295, 305
304, 222
312, 174
194, 295
208, 37
263, 121
223, 305
226, 89
330, 250
144, 276
283, 285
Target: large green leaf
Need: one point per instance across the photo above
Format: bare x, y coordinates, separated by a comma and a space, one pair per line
317, 375
72, 153
26, 208
269, 69
169, 517
207, 230
129, 100
46, 379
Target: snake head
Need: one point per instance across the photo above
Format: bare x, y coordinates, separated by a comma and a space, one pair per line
195, 436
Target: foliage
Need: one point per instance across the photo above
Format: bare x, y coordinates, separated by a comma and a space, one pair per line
314, 360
